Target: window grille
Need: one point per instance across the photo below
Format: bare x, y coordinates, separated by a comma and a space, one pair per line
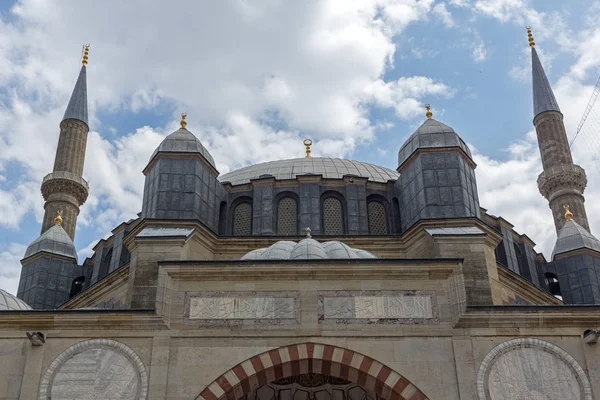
287, 221
377, 218
242, 220
333, 223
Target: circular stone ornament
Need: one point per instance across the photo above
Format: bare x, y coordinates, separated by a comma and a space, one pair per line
95, 369
531, 369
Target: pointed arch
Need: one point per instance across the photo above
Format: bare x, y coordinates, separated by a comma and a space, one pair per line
305, 358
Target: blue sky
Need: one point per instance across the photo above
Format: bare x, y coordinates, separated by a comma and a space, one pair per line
257, 77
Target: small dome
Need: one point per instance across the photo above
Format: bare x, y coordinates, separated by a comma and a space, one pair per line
431, 134
55, 241
306, 249
8, 302
329, 168
573, 236
183, 141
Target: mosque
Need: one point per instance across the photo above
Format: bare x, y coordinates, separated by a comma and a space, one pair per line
308, 279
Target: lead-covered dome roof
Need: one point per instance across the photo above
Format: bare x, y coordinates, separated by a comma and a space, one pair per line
55, 241
183, 141
431, 134
8, 302
306, 249
329, 168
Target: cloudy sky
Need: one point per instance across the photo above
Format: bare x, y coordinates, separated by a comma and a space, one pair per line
258, 76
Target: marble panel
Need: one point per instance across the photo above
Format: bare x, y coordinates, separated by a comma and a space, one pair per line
217, 308
377, 306
95, 369
531, 369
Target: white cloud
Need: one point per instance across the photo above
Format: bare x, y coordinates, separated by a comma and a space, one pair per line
10, 272
444, 15
479, 52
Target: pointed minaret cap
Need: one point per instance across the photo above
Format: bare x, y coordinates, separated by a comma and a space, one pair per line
573, 236
543, 97
78, 107
54, 241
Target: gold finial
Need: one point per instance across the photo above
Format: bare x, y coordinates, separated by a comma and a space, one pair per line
568, 213
58, 218
428, 114
183, 121
307, 143
86, 52
530, 37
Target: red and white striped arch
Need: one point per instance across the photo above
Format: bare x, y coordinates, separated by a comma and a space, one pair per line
311, 358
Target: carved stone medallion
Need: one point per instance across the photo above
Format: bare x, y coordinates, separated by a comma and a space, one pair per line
531, 369
95, 369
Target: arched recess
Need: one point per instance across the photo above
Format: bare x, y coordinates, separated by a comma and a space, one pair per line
333, 213
109, 368
311, 358
286, 218
241, 215
378, 215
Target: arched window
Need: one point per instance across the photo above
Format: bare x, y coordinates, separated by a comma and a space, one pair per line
76, 286
378, 224
105, 264
222, 217
287, 216
333, 223
242, 219
396, 215
553, 285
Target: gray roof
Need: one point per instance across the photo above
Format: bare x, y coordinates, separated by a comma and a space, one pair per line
8, 302
306, 249
183, 141
543, 97
56, 241
165, 232
573, 236
329, 168
455, 231
78, 107
431, 134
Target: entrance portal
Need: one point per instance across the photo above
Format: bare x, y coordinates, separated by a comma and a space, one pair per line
311, 386
324, 365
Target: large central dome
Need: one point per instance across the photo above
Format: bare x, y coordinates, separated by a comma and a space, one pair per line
329, 168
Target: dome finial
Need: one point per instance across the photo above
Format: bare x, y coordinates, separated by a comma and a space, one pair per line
307, 143
568, 213
428, 114
308, 235
58, 218
86, 52
530, 37
183, 121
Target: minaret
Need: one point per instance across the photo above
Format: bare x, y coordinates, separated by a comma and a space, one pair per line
561, 182
64, 189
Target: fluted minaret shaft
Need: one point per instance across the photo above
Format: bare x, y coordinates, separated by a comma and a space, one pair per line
561, 182
65, 189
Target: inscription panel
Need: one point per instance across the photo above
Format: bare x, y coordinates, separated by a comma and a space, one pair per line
219, 308
377, 307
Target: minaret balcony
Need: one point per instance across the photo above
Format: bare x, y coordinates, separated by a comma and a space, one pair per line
560, 177
65, 182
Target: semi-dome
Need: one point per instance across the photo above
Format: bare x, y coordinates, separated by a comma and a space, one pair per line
306, 249
329, 168
573, 236
8, 302
55, 241
431, 134
183, 141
